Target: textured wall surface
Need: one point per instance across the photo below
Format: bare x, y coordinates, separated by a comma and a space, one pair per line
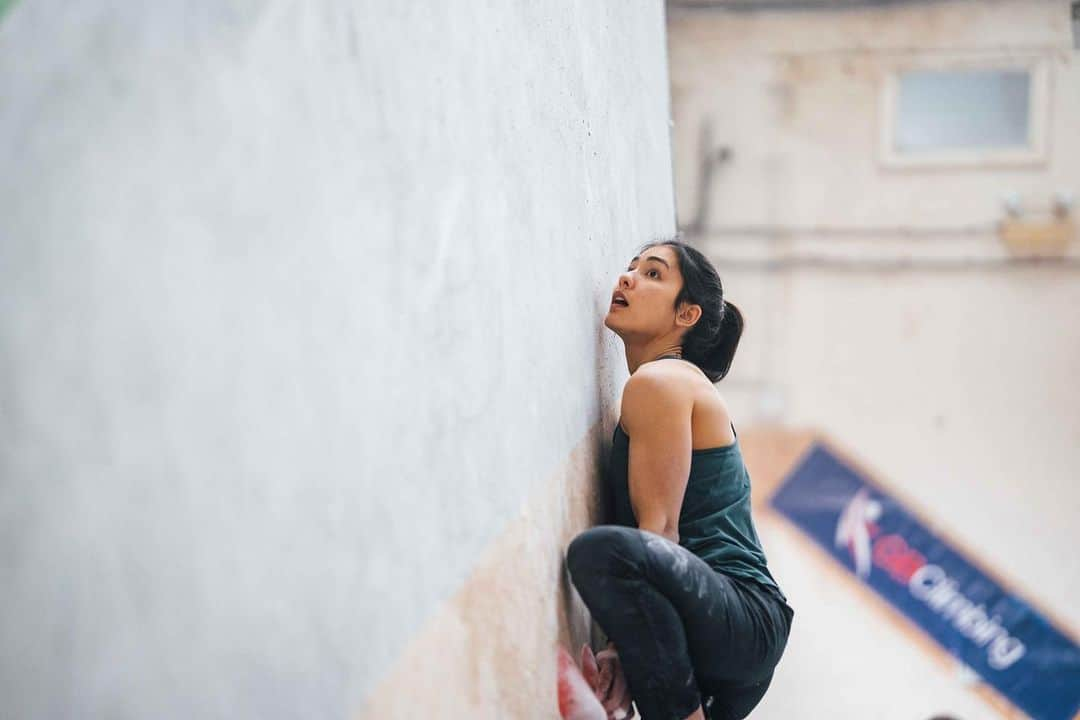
301, 301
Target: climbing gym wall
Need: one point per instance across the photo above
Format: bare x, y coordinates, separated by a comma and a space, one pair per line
303, 379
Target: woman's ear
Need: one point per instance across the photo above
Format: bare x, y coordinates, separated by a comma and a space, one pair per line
689, 314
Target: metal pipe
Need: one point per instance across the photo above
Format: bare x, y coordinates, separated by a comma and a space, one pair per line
819, 262
711, 158
755, 5
781, 232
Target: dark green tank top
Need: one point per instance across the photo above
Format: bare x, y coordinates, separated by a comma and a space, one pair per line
714, 522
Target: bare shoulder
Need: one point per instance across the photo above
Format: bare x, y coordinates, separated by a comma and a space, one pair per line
657, 392
669, 378
682, 372
710, 418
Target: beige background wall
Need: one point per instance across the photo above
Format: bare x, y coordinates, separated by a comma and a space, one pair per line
881, 311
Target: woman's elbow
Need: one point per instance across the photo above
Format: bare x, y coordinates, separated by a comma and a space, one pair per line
666, 530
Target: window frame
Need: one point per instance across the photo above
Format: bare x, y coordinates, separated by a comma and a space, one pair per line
1037, 67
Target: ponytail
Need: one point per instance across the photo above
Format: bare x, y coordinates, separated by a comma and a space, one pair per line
717, 361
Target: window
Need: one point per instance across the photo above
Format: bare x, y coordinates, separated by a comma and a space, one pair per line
948, 110
973, 115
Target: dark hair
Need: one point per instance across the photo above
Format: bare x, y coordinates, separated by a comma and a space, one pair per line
710, 343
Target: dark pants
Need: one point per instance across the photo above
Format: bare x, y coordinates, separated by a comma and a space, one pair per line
684, 631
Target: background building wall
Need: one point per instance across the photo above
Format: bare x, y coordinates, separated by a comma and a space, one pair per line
883, 311
301, 312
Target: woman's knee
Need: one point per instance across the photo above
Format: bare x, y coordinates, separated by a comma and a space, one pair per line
601, 549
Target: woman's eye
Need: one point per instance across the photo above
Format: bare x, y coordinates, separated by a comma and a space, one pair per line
630, 269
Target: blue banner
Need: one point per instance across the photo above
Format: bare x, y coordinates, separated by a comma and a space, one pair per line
988, 628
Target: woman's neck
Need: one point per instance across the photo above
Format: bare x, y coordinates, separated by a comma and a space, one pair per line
636, 357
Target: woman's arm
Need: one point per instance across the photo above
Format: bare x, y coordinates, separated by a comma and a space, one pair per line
656, 410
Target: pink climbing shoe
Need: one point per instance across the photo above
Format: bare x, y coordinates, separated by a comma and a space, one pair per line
577, 701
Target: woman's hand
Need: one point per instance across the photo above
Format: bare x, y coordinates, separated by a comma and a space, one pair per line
604, 673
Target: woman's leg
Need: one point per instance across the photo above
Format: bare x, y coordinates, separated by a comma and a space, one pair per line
610, 568
680, 627
736, 691
734, 702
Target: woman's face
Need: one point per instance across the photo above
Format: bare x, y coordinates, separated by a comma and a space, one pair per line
650, 284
